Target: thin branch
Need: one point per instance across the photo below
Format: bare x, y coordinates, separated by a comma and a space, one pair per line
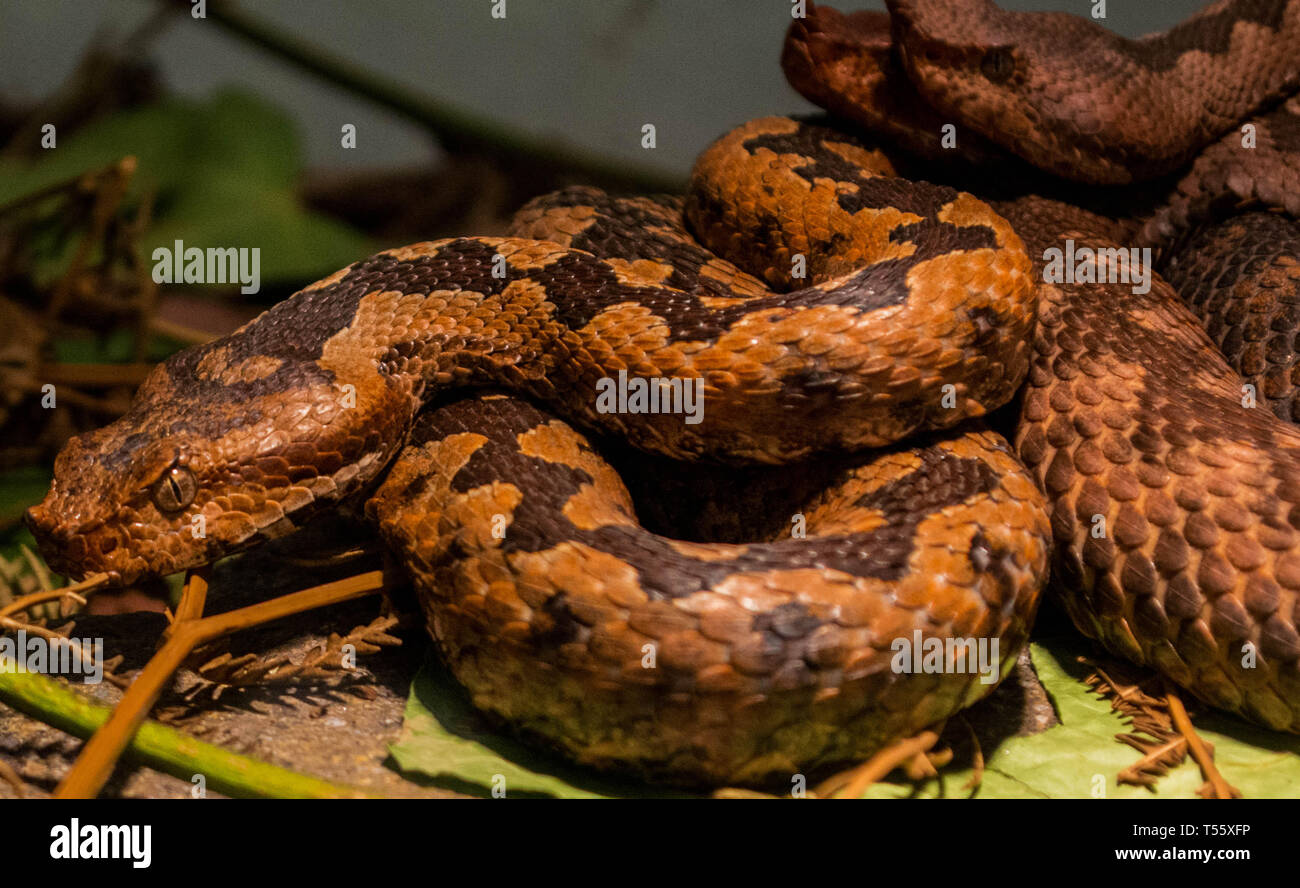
163, 748
18, 605
852, 784
458, 131
1216, 786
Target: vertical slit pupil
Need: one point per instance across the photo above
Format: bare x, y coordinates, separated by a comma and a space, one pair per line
997, 65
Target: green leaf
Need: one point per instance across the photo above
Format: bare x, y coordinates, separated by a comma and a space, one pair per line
250, 138
447, 743
222, 210
173, 139
163, 137
1070, 759
223, 172
115, 347
20, 488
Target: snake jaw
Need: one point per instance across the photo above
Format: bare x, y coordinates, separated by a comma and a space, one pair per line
121, 543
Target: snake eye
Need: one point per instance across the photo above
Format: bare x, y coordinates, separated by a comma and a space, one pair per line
175, 489
997, 64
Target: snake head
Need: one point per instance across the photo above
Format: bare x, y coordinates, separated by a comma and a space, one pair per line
117, 504
961, 54
1034, 82
220, 449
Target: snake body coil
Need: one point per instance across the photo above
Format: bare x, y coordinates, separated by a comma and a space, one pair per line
711, 662
822, 306
763, 658
1135, 426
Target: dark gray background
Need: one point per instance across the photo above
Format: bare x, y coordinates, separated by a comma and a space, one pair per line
588, 72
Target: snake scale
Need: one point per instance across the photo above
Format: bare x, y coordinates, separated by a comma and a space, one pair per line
839, 321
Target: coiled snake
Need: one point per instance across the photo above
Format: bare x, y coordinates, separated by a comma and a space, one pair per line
871, 311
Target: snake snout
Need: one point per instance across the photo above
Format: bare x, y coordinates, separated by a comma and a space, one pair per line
52, 532
51, 520
77, 551
40, 521
72, 543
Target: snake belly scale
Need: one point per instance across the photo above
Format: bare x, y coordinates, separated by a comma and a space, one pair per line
767, 657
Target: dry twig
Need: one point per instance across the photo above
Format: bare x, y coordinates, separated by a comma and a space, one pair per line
1161, 729
101, 752
327, 661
